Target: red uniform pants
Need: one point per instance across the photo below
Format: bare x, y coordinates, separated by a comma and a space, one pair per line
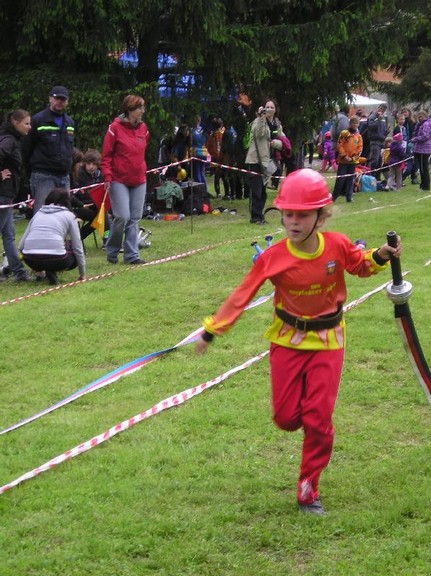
304, 390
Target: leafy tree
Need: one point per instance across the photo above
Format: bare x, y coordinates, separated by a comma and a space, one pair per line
306, 54
416, 83
76, 34
414, 65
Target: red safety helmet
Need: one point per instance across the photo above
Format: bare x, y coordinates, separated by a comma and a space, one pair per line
303, 189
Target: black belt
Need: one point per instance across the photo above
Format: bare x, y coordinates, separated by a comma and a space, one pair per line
305, 324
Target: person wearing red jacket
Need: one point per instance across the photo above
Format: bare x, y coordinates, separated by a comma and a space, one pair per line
125, 174
307, 334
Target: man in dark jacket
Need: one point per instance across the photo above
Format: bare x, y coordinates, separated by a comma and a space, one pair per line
340, 122
49, 146
377, 132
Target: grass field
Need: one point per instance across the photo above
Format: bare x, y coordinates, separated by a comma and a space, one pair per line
208, 488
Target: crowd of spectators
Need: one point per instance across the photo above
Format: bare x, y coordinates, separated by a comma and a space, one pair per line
246, 152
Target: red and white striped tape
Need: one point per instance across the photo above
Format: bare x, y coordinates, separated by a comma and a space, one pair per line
170, 402
162, 169
109, 274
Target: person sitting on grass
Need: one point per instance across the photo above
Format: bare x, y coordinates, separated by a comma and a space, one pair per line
51, 241
307, 333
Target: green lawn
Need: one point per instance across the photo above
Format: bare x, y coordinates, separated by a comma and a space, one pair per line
208, 488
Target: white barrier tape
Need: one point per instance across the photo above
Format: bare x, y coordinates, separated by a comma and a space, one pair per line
170, 402
225, 166
175, 400
128, 368
17, 204
369, 171
108, 274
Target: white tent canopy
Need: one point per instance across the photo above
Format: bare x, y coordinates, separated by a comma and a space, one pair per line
360, 101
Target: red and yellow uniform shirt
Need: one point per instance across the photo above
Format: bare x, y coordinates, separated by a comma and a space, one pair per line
305, 285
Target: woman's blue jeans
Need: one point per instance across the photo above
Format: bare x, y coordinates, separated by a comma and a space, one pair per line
127, 204
7, 231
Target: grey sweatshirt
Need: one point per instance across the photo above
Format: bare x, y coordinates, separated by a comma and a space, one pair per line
47, 231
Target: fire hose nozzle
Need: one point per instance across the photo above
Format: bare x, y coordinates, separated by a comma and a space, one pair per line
399, 294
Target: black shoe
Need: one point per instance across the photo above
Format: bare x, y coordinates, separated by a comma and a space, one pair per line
136, 262
52, 278
112, 260
415, 181
24, 278
313, 508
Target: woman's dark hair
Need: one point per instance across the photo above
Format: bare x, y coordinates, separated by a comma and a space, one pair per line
274, 101
16, 115
59, 196
77, 155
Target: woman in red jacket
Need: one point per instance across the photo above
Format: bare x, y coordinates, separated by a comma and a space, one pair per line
125, 174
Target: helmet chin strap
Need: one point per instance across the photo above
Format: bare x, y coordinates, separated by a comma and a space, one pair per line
313, 229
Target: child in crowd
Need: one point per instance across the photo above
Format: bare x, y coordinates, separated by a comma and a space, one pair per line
401, 128
349, 152
307, 334
396, 164
386, 150
214, 149
83, 204
328, 154
89, 171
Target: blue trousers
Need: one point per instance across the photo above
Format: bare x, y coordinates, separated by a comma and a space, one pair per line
7, 230
41, 185
127, 203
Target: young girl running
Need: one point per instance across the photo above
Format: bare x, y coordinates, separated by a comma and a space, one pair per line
307, 333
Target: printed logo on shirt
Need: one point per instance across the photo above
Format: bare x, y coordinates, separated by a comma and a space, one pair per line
330, 267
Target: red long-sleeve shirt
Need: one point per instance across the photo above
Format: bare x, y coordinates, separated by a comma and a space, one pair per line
306, 285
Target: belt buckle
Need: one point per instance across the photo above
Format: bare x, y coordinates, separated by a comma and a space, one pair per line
300, 324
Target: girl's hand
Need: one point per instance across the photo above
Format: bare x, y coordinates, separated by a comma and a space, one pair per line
387, 251
5, 174
201, 346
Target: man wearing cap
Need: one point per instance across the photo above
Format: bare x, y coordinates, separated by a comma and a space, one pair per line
48, 147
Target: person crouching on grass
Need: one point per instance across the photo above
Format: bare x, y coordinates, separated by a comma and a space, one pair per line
307, 333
